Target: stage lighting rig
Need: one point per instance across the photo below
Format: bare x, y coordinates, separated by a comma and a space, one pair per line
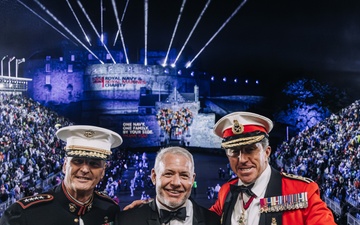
2, 65
9, 69
18, 61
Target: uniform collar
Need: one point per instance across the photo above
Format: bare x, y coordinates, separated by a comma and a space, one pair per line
75, 206
260, 183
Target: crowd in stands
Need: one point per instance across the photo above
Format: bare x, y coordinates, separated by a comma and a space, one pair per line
114, 180
328, 153
29, 150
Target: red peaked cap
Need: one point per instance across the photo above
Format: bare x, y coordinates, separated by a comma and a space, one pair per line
241, 125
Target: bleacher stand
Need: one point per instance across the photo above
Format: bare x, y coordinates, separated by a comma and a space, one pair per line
329, 153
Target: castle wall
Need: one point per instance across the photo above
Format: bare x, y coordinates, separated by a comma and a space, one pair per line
55, 83
108, 95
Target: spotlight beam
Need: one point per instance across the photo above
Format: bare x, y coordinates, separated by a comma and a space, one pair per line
217, 32
117, 17
102, 20
192, 31
119, 28
146, 17
174, 32
94, 28
77, 20
46, 21
61, 24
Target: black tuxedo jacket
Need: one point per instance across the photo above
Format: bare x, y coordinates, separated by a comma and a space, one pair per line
147, 214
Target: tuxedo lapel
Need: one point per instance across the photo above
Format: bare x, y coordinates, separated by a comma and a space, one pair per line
154, 215
198, 217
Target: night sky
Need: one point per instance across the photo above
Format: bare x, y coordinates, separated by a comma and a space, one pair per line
271, 40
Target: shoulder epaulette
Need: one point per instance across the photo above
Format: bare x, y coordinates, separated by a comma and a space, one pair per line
105, 196
292, 176
33, 200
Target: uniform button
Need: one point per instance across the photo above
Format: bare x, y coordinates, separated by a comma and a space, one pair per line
76, 220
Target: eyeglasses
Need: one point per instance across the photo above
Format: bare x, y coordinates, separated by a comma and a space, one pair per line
247, 149
232, 152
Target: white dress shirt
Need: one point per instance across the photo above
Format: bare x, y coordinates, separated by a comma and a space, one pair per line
252, 214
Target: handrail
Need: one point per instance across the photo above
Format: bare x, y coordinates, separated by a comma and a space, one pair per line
351, 220
333, 205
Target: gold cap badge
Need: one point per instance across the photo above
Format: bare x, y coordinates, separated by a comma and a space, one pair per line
237, 128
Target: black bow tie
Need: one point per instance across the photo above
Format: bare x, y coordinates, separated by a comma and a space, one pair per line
242, 189
166, 216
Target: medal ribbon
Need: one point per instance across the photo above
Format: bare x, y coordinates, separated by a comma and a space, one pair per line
247, 204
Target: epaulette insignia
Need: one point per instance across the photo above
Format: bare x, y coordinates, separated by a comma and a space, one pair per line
292, 176
105, 196
32, 200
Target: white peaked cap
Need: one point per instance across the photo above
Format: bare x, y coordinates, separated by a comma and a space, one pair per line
89, 141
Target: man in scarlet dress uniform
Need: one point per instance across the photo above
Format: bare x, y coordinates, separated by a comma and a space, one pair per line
260, 194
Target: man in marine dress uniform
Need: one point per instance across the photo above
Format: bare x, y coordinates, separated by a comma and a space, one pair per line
75, 200
173, 176
260, 194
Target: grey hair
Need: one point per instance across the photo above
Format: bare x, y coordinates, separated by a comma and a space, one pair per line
264, 142
176, 151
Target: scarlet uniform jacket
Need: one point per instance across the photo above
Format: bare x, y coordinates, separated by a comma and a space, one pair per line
56, 208
281, 184
147, 214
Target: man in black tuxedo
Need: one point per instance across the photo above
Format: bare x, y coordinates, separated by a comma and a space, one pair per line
173, 176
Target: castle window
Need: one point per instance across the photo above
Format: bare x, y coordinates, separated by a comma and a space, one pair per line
47, 67
47, 79
70, 68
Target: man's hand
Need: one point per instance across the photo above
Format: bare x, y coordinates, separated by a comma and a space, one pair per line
137, 203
